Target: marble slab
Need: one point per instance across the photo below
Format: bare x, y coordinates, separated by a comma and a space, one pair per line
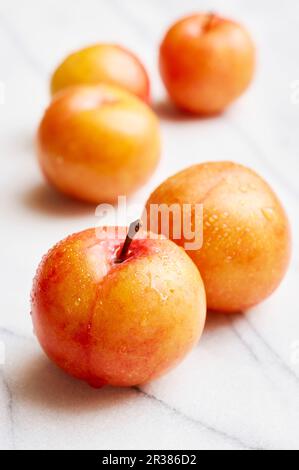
239, 389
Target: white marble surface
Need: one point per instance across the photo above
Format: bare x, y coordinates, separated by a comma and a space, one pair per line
240, 387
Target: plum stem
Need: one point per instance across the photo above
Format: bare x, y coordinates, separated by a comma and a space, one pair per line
133, 229
209, 20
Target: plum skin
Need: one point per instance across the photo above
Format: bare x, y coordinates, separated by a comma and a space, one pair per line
103, 63
246, 233
118, 324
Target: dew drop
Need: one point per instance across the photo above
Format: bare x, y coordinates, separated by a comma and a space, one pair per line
59, 160
268, 212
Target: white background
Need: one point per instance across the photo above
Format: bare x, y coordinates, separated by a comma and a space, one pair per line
239, 388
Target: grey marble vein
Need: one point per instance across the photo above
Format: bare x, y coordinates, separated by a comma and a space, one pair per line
18, 43
7, 332
252, 353
232, 439
11, 427
141, 27
258, 151
279, 361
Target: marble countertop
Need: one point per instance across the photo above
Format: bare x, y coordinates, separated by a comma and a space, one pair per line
239, 389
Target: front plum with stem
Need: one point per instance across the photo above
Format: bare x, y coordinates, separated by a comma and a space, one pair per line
116, 315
